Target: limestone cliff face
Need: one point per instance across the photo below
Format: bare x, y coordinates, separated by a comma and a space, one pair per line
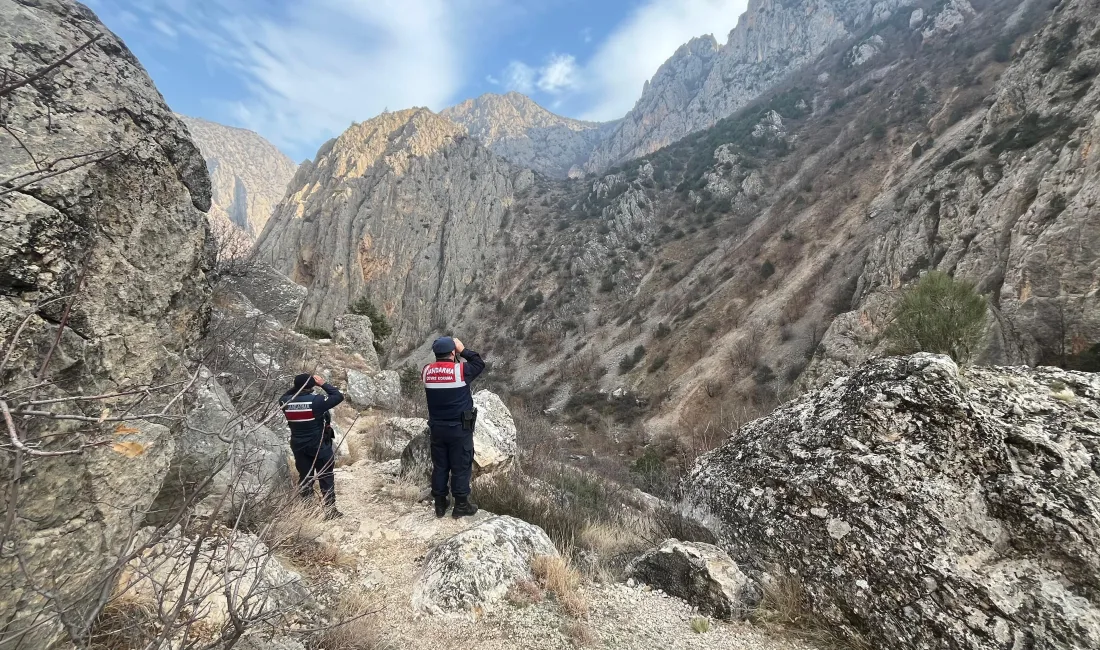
249, 175
121, 239
520, 131
704, 82
400, 208
1005, 200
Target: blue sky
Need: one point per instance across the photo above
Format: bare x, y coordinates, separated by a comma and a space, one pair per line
300, 71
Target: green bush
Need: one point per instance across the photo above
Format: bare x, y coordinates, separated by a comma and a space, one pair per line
410, 380
939, 314
314, 332
629, 361
767, 269
532, 303
379, 326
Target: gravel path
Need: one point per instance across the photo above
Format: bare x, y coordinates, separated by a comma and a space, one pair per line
389, 534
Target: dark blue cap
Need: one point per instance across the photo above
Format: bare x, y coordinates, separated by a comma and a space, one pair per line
443, 345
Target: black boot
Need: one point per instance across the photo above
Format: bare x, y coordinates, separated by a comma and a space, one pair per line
332, 513
441, 504
464, 507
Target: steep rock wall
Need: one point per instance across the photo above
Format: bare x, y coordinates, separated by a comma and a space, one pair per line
123, 242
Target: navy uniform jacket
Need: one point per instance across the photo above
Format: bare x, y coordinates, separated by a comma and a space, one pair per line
447, 386
306, 413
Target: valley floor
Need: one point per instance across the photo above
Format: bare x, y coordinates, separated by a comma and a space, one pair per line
388, 533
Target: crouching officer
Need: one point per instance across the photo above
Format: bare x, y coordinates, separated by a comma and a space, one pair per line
310, 437
451, 416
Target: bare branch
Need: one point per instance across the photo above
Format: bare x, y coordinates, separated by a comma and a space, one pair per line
8, 89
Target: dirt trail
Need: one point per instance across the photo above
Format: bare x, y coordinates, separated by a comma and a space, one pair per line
389, 535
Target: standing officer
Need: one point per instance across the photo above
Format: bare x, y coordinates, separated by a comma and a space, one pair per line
451, 416
308, 416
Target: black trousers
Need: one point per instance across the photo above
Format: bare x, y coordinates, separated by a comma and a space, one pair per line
314, 463
452, 458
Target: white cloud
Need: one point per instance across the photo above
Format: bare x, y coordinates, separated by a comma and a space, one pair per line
520, 77
310, 68
559, 74
614, 76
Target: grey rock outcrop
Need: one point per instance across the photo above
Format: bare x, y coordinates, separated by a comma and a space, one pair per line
924, 506
704, 82
396, 433
354, 333
475, 568
517, 129
402, 206
378, 390
125, 233
494, 441
248, 174
701, 574
228, 453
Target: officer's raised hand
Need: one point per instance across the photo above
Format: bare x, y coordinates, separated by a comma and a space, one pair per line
319, 380
458, 346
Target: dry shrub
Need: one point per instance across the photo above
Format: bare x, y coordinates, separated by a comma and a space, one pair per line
557, 576
525, 593
354, 626
295, 530
125, 622
580, 633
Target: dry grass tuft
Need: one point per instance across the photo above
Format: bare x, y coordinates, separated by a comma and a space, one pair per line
558, 577
580, 633
700, 624
355, 626
784, 605
295, 530
125, 622
525, 593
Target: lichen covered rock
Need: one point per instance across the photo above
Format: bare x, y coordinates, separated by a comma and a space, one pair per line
924, 506
702, 574
381, 389
475, 568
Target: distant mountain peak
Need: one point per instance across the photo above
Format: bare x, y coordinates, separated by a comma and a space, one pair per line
518, 129
249, 175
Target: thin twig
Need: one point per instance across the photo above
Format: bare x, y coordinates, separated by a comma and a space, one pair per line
8, 89
21, 144
59, 172
19, 330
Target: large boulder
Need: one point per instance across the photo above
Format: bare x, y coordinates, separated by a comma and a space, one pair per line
120, 243
205, 576
474, 569
701, 574
924, 506
354, 333
224, 453
494, 441
378, 390
395, 433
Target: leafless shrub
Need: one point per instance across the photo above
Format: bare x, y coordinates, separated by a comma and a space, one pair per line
355, 627
557, 576
525, 593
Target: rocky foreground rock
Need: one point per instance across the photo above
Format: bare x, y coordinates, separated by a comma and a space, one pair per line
474, 569
123, 231
924, 506
701, 574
